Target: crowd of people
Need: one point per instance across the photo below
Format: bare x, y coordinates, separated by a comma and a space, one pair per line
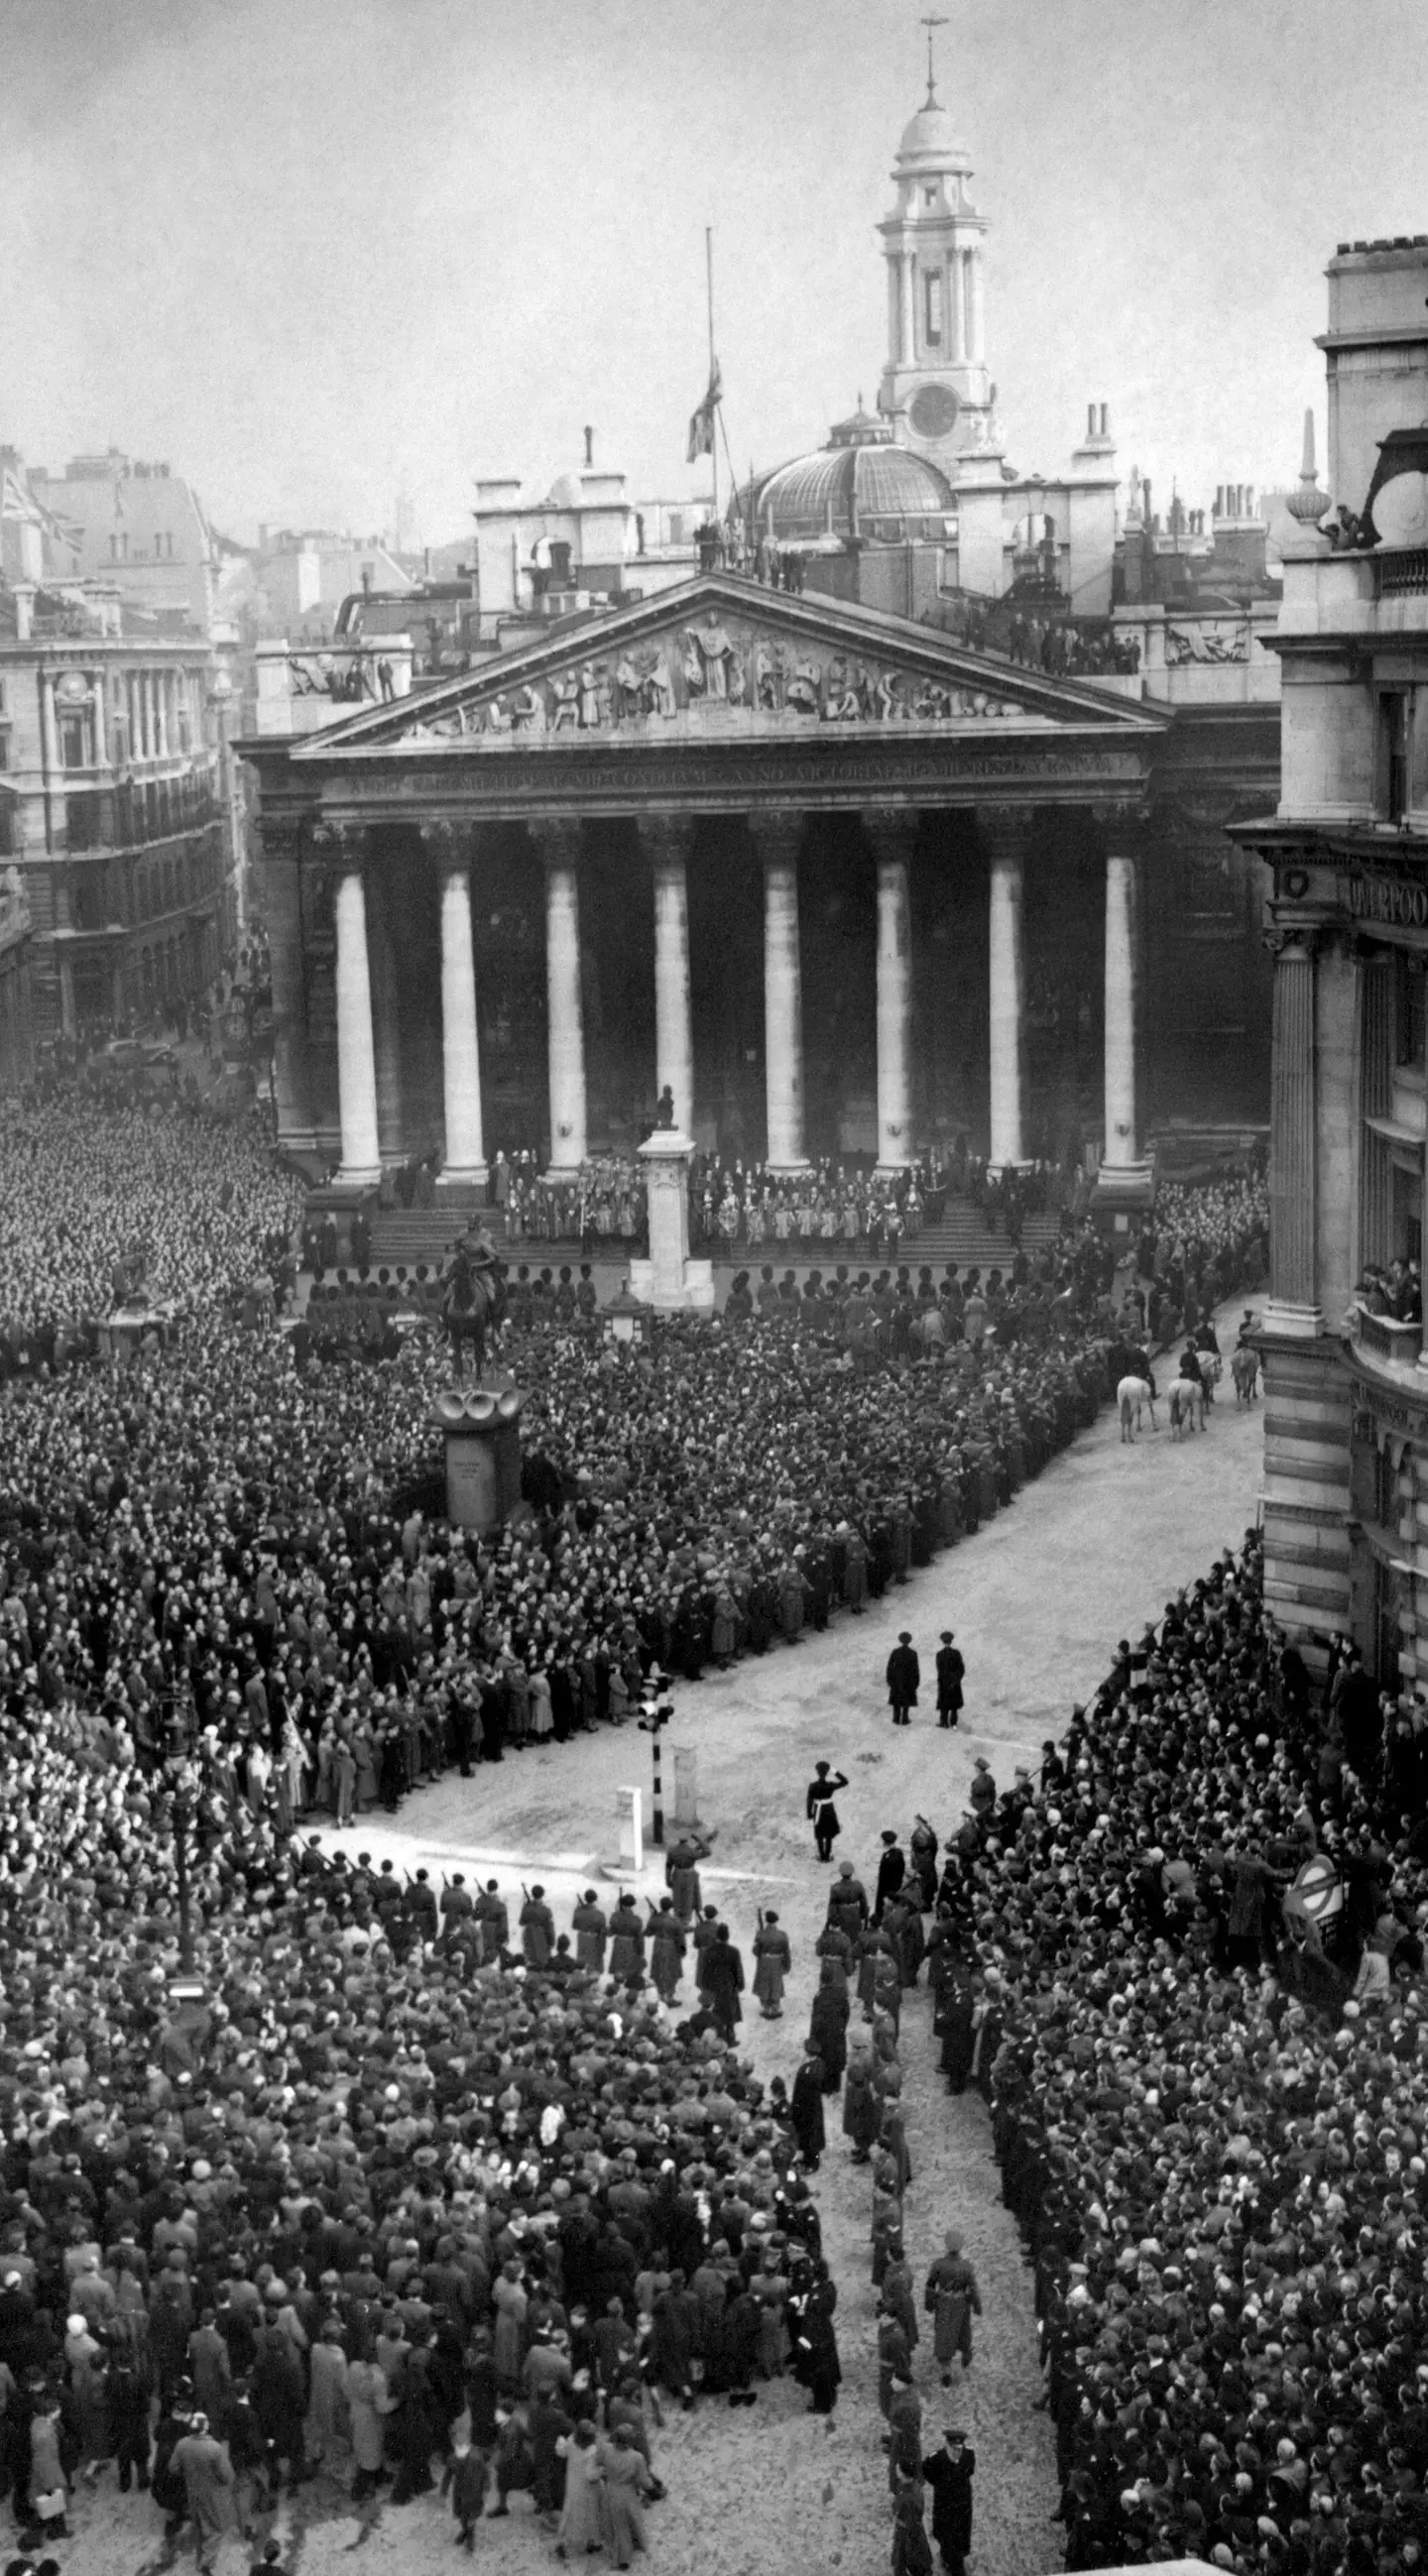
833, 1207
1187, 1966
1197, 1246
82, 1183
1057, 645
602, 1205
331, 2214
227, 1532
391, 2192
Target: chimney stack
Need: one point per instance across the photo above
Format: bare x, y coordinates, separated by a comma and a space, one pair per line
589, 446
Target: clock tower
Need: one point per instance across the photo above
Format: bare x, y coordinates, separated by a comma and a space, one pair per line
935, 386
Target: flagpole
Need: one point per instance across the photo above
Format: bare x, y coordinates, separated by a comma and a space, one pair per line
709, 291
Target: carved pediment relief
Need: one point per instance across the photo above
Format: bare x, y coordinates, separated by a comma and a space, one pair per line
720, 660
718, 673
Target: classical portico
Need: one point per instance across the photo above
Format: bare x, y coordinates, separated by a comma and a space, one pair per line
682, 816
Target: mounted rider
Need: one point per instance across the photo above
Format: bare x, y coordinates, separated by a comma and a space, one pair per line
474, 1295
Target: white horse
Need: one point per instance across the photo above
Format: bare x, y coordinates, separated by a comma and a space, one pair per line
1187, 1402
1131, 1395
1212, 1369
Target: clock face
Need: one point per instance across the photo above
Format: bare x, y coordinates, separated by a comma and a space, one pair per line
933, 411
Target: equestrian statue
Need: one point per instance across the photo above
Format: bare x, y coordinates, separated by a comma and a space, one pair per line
474, 1300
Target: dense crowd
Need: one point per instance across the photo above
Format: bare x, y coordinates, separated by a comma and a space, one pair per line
603, 1204
394, 2191
222, 1531
1190, 1963
831, 1208
1054, 644
332, 2214
81, 1184
1196, 1247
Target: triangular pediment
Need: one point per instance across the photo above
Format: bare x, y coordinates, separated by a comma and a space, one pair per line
723, 658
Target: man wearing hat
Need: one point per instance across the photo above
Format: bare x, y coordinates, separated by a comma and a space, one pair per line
892, 1870
848, 1901
904, 1672
949, 2474
951, 1673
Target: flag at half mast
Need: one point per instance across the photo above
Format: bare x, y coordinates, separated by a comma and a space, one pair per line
701, 422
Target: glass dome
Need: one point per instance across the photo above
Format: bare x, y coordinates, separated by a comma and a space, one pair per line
872, 490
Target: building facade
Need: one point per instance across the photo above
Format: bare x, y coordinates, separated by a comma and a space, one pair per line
1346, 1417
840, 884
139, 526
112, 808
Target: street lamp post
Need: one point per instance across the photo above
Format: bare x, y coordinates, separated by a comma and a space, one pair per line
656, 1717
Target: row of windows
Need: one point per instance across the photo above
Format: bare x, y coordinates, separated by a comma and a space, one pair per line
100, 895
140, 810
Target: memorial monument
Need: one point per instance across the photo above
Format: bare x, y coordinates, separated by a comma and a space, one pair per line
669, 1280
479, 1427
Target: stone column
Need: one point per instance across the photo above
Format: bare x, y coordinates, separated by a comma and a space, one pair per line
1121, 1150
465, 1158
101, 729
161, 688
356, 1060
907, 344
976, 309
667, 838
777, 838
890, 835
957, 297
1007, 832
1376, 1053
559, 843
1293, 1305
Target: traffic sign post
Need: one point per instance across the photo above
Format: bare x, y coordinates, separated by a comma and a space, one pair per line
656, 1717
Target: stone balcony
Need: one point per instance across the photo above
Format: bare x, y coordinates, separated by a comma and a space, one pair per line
1388, 1349
1380, 592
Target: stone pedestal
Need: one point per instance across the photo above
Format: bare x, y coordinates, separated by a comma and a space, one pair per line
669, 1281
479, 1425
686, 1789
628, 1857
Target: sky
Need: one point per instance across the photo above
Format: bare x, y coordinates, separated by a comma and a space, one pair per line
320, 253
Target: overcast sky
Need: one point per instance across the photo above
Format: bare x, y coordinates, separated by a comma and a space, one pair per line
317, 252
